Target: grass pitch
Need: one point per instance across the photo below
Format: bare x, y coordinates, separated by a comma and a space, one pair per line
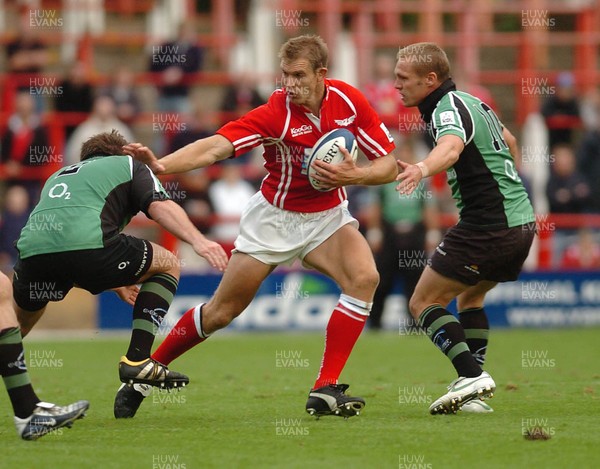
244, 407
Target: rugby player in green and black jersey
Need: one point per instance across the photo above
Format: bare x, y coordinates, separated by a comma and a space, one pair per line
73, 238
496, 224
33, 417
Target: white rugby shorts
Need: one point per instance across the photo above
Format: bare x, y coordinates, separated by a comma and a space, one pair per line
275, 236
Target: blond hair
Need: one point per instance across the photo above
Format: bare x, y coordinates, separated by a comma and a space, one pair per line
309, 47
426, 57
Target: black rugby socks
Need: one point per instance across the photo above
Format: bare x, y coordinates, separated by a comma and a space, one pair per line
14, 373
149, 310
477, 328
447, 334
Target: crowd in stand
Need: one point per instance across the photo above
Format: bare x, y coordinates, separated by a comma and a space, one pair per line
215, 198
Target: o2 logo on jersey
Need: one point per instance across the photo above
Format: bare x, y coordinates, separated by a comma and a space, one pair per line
59, 191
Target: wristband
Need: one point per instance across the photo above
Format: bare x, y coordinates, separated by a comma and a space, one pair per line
423, 167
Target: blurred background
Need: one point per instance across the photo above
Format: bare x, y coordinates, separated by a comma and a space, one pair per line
166, 73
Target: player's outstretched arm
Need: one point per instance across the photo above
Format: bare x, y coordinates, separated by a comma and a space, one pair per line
511, 141
443, 155
379, 171
173, 218
198, 154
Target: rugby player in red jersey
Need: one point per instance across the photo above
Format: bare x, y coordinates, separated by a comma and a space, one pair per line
319, 229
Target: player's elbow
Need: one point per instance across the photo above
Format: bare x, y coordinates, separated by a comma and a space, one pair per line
389, 169
452, 156
219, 149
5, 290
158, 208
509, 138
448, 151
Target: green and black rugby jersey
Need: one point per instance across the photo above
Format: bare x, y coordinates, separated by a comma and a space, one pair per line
484, 181
86, 205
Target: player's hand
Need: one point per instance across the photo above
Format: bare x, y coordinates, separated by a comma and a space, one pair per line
128, 294
409, 177
344, 173
213, 253
145, 155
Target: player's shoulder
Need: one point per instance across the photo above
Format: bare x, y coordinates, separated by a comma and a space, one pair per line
115, 165
278, 98
342, 88
344, 95
276, 103
114, 161
466, 98
98, 169
451, 99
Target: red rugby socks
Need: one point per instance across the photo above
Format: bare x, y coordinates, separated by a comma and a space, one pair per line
186, 334
345, 325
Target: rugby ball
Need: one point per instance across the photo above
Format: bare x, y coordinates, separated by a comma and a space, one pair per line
327, 149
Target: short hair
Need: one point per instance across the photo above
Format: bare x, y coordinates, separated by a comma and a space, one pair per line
309, 47
426, 57
104, 144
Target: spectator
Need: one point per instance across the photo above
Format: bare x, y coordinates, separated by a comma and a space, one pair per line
399, 229
525, 179
27, 56
195, 198
81, 17
567, 190
240, 97
590, 110
561, 111
102, 119
360, 201
584, 254
198, 125
77, 96
13, 217
123, 92
229, 195
25, 146
464, 82
175, 62
588, 164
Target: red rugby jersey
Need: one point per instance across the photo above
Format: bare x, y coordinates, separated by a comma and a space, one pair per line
288, 132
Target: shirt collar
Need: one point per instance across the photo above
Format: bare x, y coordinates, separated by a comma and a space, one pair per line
428, 104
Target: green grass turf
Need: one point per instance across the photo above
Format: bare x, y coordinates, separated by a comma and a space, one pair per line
242, 410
